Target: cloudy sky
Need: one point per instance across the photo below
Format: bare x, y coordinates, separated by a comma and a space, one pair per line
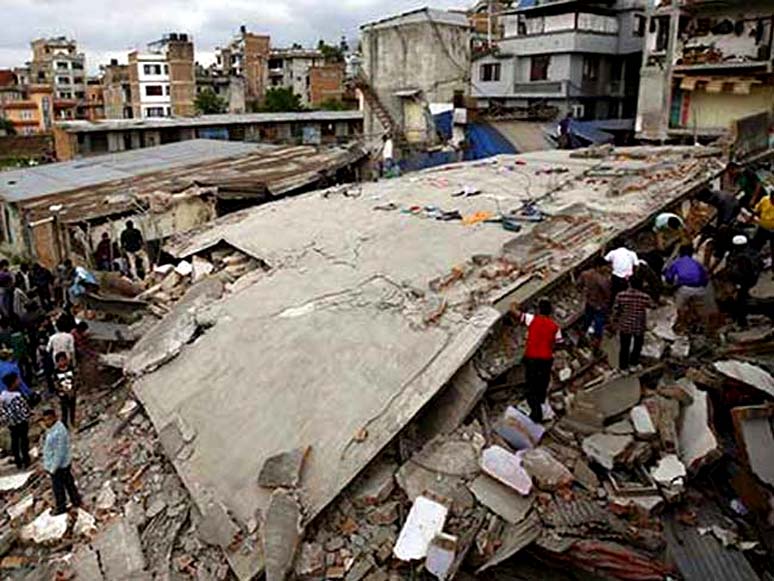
108, 29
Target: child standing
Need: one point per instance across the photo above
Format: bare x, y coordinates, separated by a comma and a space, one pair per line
16, 414
65, 386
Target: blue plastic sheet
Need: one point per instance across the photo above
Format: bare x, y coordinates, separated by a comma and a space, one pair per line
485, 141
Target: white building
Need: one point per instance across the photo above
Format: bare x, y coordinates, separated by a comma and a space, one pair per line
154, 89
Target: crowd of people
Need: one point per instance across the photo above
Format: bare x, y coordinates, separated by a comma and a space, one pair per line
621, 286
40, 344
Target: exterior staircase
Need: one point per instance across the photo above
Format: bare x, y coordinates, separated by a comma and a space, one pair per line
378, 108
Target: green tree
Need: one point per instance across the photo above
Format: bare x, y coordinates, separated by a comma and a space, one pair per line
208, 102
281, 100
334, 105
7, 127
331, 54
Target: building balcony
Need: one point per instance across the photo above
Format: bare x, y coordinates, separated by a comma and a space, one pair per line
536, 89
746, 67
276, 72
570, 41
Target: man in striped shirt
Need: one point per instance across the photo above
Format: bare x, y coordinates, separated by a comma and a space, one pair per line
16, 415
629, 318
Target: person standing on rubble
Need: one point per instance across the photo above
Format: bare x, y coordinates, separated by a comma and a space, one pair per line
104, 253
57, 462
624, 261
62, 341
16, 415
42, 280
595, 285
543, 333
690, 277
131, 244
629, 318
764, 216
65, 385
743, 270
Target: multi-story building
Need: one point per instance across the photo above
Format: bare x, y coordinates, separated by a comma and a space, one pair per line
33, 108
162, 79
289, 68
231, 89
116, 91
410, 62
95, 100
326, 84
579, 56
57, 63
246, 57
706, 64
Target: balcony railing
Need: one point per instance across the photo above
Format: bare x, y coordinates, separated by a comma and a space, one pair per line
539, 88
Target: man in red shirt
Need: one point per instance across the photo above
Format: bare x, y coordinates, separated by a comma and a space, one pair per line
542, 335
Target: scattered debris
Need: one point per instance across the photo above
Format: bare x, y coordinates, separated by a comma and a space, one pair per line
425, 520
281, 533
507, 468
606, 449
283, 469
45, 528
440, 555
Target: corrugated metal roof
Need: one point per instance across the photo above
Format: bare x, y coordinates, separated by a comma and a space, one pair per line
266, 169
209, 121
33, 182
703, 558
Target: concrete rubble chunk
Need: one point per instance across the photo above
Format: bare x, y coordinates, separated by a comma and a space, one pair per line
441, 555
375, 485
385, 514
665, 414
85, 524
45, 528
669, 473
519, 430
748, 374
281, 534
165, 341
454, 403
310, 562
360, 569
20, 508
425, 520
86, 564
697, 440
613, 397
642, 422
546, 471
621, 428
106, 498
441, 468
515, 537
120, 551
585, 476
647, 504
606, 449
15, 481
284, 469
500, 499
507, 468
752, 427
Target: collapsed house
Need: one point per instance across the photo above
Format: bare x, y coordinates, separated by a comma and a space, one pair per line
371, 305
58, 210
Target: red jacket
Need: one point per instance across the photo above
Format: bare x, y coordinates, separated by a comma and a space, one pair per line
542, 335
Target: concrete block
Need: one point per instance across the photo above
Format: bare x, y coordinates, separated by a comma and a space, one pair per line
86, 564
506, 468
606, 449
120, 551
622, 428
642, 422
519, 430
375, 485
546, 471
425, 520
441, 555
697, 440
500, 499
613, 397
283, 469
281, 534
669, 473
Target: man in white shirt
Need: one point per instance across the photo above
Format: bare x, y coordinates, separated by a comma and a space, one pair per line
61, 342
624, 261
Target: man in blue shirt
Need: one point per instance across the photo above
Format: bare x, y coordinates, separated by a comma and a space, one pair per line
690, 277
57, 460
8, 365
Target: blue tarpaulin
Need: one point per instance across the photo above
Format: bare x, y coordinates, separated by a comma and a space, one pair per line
425, 159
213, 133
485, 141
589, 131
443, 124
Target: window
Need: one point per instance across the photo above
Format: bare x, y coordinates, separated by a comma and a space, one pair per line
169, 111
578, 111
26, 115
78, 81
166, 90
77, 66
154, 112
154, 91
639, 25
490, 72
590, 67
661, 24
166, 69
539, 68
152, 69
61, 66
65, 95
41, 76
79, 94
63, 80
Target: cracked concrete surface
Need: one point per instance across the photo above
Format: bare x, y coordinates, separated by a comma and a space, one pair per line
329, 347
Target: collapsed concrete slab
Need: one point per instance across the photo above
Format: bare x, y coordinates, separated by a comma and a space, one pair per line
748, 374
611, 398
697, 441
754, 436
606, 449
501, 499
120, 551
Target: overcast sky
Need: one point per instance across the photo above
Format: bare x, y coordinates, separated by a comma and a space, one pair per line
108, 29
